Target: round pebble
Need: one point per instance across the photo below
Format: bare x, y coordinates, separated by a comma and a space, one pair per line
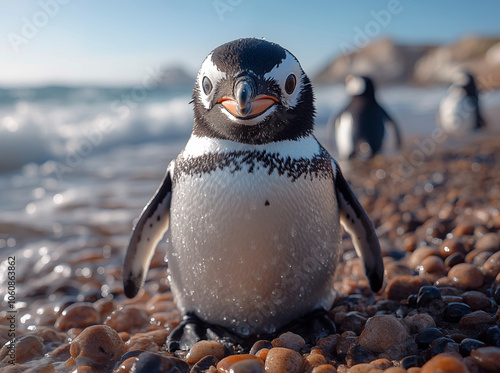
451, 246
353, 321
489, 242
469, 344
28, 347
205, 348
204, 364
476, 300
476, 319
491, 267
417, 323
289, 340
126, 318
325, 368
225, 364
444, 363
466, 275
247, 366
426, 336
283, 360
453, 260
427, 294
381, 332
97, 346
488, 358
78, 315
455, 311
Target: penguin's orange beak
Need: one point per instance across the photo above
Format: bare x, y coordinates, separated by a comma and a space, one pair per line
252, 108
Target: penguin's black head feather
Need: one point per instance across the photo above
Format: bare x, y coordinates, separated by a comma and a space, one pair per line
465, 81
252, 91
360, 86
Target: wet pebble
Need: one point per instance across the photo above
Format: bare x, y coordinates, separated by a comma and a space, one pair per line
466, 275
451, 246
453, 260
78, 315
381, 332
225, 364
204, 364
443, 345
444, 363
153, 363
491, 267
27, 347
205, 348
358, 354
98, 346
489, 242
126, 318
259, 345
488, 358
353, 321
248, 366
325, 368
283, 360
427, 294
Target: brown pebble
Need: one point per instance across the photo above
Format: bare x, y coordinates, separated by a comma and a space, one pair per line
489, 242
444, 363
125, 318
381, 363
98, 346
477, 300
417, 323
289, 340
283, 360
262, 353
150, 341
463, 229
395, 370
395, 269
402, 287
127, 365
204, 348
475, 319
381, 332
414, 370
78, 315
329, 343
491, 267
419, 255
225, 364
488, 358
325, 368
313, 360
27, 347
453, 260
466, 275
248, 366
364, 368
449, 247
432, 264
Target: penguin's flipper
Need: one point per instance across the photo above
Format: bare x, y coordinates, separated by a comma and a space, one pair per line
146, 235
355, 221
394, 126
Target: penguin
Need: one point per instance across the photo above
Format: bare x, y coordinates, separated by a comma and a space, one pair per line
359, 128
459, 111
252, 207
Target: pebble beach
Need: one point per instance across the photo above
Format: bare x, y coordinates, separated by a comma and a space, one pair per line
436, 208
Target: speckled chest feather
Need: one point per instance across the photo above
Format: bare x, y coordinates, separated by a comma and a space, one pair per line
254, 232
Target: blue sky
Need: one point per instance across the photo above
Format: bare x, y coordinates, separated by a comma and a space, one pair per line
116, 41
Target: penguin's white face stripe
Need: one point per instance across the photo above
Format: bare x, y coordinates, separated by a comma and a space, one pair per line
356, 86
306, 147
212, 72
281, 72
344, 135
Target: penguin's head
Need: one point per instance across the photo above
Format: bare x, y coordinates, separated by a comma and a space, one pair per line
357, 85
463, 82
252, 91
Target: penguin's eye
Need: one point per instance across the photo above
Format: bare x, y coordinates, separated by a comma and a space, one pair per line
290, 83
207, 85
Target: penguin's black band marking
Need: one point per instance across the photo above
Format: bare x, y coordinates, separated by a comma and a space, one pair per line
317, 167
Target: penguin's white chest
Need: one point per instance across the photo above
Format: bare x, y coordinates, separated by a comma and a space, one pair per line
254, 235
457, 114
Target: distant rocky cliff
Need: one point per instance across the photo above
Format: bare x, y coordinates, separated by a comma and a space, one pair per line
391, 63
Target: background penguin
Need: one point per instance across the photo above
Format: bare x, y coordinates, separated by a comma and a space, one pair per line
360, 127
252, 205
459, 111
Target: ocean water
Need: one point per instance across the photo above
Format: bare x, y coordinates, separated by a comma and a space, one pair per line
78, 164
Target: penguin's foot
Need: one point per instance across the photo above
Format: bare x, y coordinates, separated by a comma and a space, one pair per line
191, 330
311, 327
